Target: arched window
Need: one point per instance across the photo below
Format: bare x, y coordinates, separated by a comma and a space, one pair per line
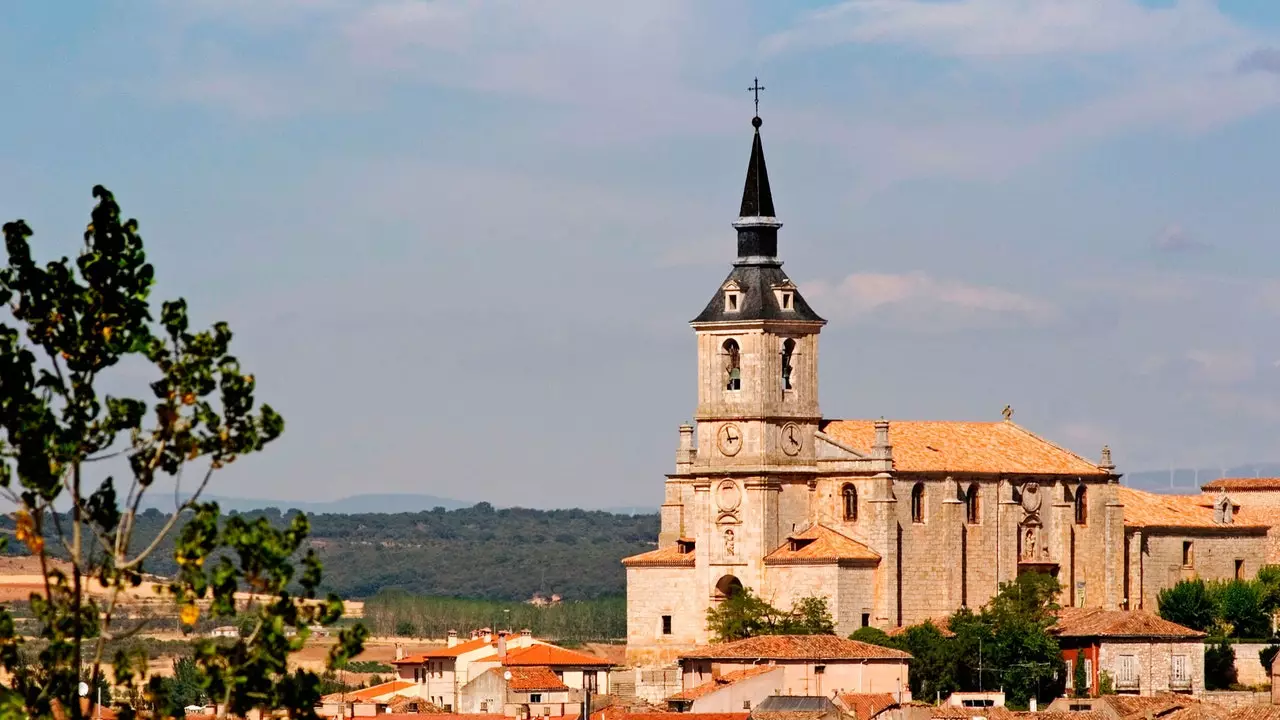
732, 365
1082, 506
917, 503
849, 496
973, 513
788, 348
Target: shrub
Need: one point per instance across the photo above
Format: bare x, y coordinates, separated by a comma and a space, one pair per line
1219, 665
1189, 604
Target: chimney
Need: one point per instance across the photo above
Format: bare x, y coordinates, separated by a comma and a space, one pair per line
487, 633
685, 452
453, 638
526, 633
475, 634
399, 651
502, 646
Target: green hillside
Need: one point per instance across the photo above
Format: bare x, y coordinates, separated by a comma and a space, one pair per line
476, 552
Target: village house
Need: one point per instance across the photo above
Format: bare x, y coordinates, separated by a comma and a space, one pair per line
796, 707
809, 664
1141, 652
870, 706
520, 692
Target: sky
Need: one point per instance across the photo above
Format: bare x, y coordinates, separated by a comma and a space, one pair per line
460, 242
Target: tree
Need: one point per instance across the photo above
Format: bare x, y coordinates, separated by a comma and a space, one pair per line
1106, 684
76, 322
1080, 680
873, 636
1241, 607
744, 614
1013, 633
1219, 665
1267, 656
1188, 604
186, 687
934, 668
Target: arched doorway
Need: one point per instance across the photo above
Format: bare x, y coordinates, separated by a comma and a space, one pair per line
727, 587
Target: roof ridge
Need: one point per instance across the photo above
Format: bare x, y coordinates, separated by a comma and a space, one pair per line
1051, 443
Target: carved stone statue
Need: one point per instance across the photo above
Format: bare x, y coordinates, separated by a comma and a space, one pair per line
1029, 543
728, 541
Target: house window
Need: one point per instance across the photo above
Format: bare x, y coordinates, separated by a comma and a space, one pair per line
731, 300
972, 511
849, 495
535, 697
1127, 673
788, 349
866, 619
1082, 506
1239, 569
819, 669
666, 624
1188, 554
732, 365
746, 704
1088, 673
1178, 677
917, 503
484, 706
786, 301
1071, 674
590, 682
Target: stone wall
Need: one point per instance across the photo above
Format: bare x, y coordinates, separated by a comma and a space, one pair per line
651, 593
1154, 663
1213, 557
1249, 670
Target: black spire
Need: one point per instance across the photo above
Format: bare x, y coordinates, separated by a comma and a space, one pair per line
757, 199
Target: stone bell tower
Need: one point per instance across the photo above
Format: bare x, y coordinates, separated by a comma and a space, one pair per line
757, 349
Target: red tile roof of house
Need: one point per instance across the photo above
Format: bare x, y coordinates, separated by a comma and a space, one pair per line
956, 446
1268, 483
820, 544
796, 647
445, 652
864, 706
722, 681
621, 713
531, 678
369, 693
670, 556
550, 655
1152, 510
1100, 623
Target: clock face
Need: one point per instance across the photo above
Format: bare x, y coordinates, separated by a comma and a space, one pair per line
729, 439
792, 439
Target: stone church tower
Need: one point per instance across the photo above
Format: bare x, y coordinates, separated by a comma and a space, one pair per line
891, 522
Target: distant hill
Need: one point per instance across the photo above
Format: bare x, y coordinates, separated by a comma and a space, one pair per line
1184, 481
358, 504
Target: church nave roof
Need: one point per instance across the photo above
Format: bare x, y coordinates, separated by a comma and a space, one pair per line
962, 446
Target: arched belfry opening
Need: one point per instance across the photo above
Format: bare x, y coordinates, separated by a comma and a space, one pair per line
727, 587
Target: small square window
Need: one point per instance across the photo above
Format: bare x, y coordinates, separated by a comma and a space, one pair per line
535, 697
731, 301
666, 624
819, 669
746, 704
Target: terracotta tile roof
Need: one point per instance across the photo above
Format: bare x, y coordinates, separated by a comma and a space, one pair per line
1146, 509
370, 693
531, 678
864, 706
820, 544
1271, 483
621, 713
1132, 707
943, 624
796, 647
669, 556
953, 446
1254, 712
552, 655
444, 652
723, 681
1100, 623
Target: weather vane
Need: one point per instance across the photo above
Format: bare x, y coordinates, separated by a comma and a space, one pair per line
756, 87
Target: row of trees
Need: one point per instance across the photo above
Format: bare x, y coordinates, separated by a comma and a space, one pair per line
395, 612
744, 614
1225, 608
1004, 645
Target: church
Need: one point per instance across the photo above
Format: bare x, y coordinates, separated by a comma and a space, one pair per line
893, 522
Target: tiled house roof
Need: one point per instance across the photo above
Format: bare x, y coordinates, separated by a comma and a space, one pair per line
795, 647
1242, 484
976, 447
370, 693
444, 652
820, 544
722, 681
1117, 624
1145, 509
864, 706
670, 556
531, 678
549, 655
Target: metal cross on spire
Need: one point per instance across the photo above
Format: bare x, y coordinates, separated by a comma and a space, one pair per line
756, 87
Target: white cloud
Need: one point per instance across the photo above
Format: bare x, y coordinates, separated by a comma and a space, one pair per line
1221, 366
1014, 27
921, 301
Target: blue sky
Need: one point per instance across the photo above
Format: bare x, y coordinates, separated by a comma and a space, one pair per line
460, 241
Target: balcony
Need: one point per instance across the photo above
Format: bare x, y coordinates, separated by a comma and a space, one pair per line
1180, 684
1128, 685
